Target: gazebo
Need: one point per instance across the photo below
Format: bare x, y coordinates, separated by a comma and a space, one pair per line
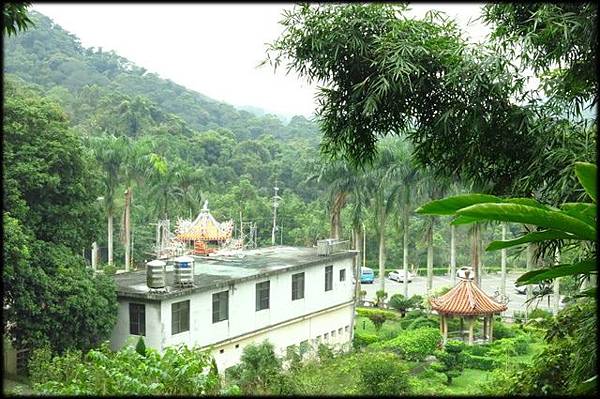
204, 230
467, 301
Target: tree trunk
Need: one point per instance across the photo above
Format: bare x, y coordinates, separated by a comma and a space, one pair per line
336, 215
556, 284
479, 254
452, 254
382, 254
530, 255
127, 229
110, 238
430, 255
358, 257
405, 251
475, 252
503, 263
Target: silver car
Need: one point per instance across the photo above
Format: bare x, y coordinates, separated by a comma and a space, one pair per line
398, 275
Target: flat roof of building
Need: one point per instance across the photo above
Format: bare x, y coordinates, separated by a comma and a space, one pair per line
217, 271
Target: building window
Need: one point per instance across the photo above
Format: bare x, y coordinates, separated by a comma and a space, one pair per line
318, 338
325, 336
221, 350
347, 328
180, 317
304, 347
332, 333
328, 278
137, 319
339, 331
342, 274
220, 303
262, 296
297, 286
237, 346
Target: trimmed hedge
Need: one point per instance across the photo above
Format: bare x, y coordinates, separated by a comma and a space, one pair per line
423, 321
413, 345
477, 350
368, 313
363, 339
479, 362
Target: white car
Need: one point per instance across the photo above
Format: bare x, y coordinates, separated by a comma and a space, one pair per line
398, 275
461, 273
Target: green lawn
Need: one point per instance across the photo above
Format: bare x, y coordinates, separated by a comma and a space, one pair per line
467, 383
12, 387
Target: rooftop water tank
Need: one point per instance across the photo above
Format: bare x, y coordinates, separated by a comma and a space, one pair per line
184, 271
155, 274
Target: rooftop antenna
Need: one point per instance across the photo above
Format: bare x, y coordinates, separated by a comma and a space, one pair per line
276, 199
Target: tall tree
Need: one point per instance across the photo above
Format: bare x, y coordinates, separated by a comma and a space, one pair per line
382, 183
109, 152
48, 215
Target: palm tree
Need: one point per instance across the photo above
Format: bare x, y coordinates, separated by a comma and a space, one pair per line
382, 182
135, 167
431, 186
340, 178
407, 173
109, 153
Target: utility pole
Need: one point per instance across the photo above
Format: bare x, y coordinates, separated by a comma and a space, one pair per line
276, 198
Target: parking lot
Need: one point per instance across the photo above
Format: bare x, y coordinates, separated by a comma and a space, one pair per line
489, 283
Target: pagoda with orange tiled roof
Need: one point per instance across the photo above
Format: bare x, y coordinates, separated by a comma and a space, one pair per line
204, 230
467, 301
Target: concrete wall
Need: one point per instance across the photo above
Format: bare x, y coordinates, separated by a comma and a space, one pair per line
285, 323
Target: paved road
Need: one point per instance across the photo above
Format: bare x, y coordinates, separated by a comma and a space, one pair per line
489, 283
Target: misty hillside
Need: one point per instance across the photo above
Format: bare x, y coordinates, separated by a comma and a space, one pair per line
54, 59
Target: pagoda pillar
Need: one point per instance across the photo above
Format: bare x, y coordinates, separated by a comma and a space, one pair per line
471, 320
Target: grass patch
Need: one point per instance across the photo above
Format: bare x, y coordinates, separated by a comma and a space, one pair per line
468, 382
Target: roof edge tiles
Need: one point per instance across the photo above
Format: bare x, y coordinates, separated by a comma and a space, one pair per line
466, 299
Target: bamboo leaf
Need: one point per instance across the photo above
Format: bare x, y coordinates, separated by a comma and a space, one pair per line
535, 236
537, 276
449, 206
459, 220
516, 213
586, 173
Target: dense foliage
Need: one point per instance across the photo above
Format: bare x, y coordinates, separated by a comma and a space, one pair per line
48, 216
178, 371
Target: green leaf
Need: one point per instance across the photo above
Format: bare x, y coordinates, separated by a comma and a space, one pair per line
582, 211
458, 220
449, 206
590, 292
586, 173
537, 276
535, 236
556, 220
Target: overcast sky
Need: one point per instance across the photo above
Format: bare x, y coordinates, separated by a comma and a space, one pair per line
211, 48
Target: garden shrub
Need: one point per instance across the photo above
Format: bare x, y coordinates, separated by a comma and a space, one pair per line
480, 362
381, 373
540, 314
102, 372
423, 321
414, 345
377, 316
451, 360
478, 350
502, 330
361, 340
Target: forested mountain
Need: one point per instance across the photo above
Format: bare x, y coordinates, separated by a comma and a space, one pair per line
234, 155
49, 56
210, 150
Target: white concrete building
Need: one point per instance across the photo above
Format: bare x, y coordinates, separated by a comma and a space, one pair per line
288, 295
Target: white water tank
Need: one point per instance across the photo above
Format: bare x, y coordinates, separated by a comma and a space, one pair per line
155, 274
184, 271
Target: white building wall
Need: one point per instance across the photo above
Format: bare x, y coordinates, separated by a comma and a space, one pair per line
244, 319
154, 329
